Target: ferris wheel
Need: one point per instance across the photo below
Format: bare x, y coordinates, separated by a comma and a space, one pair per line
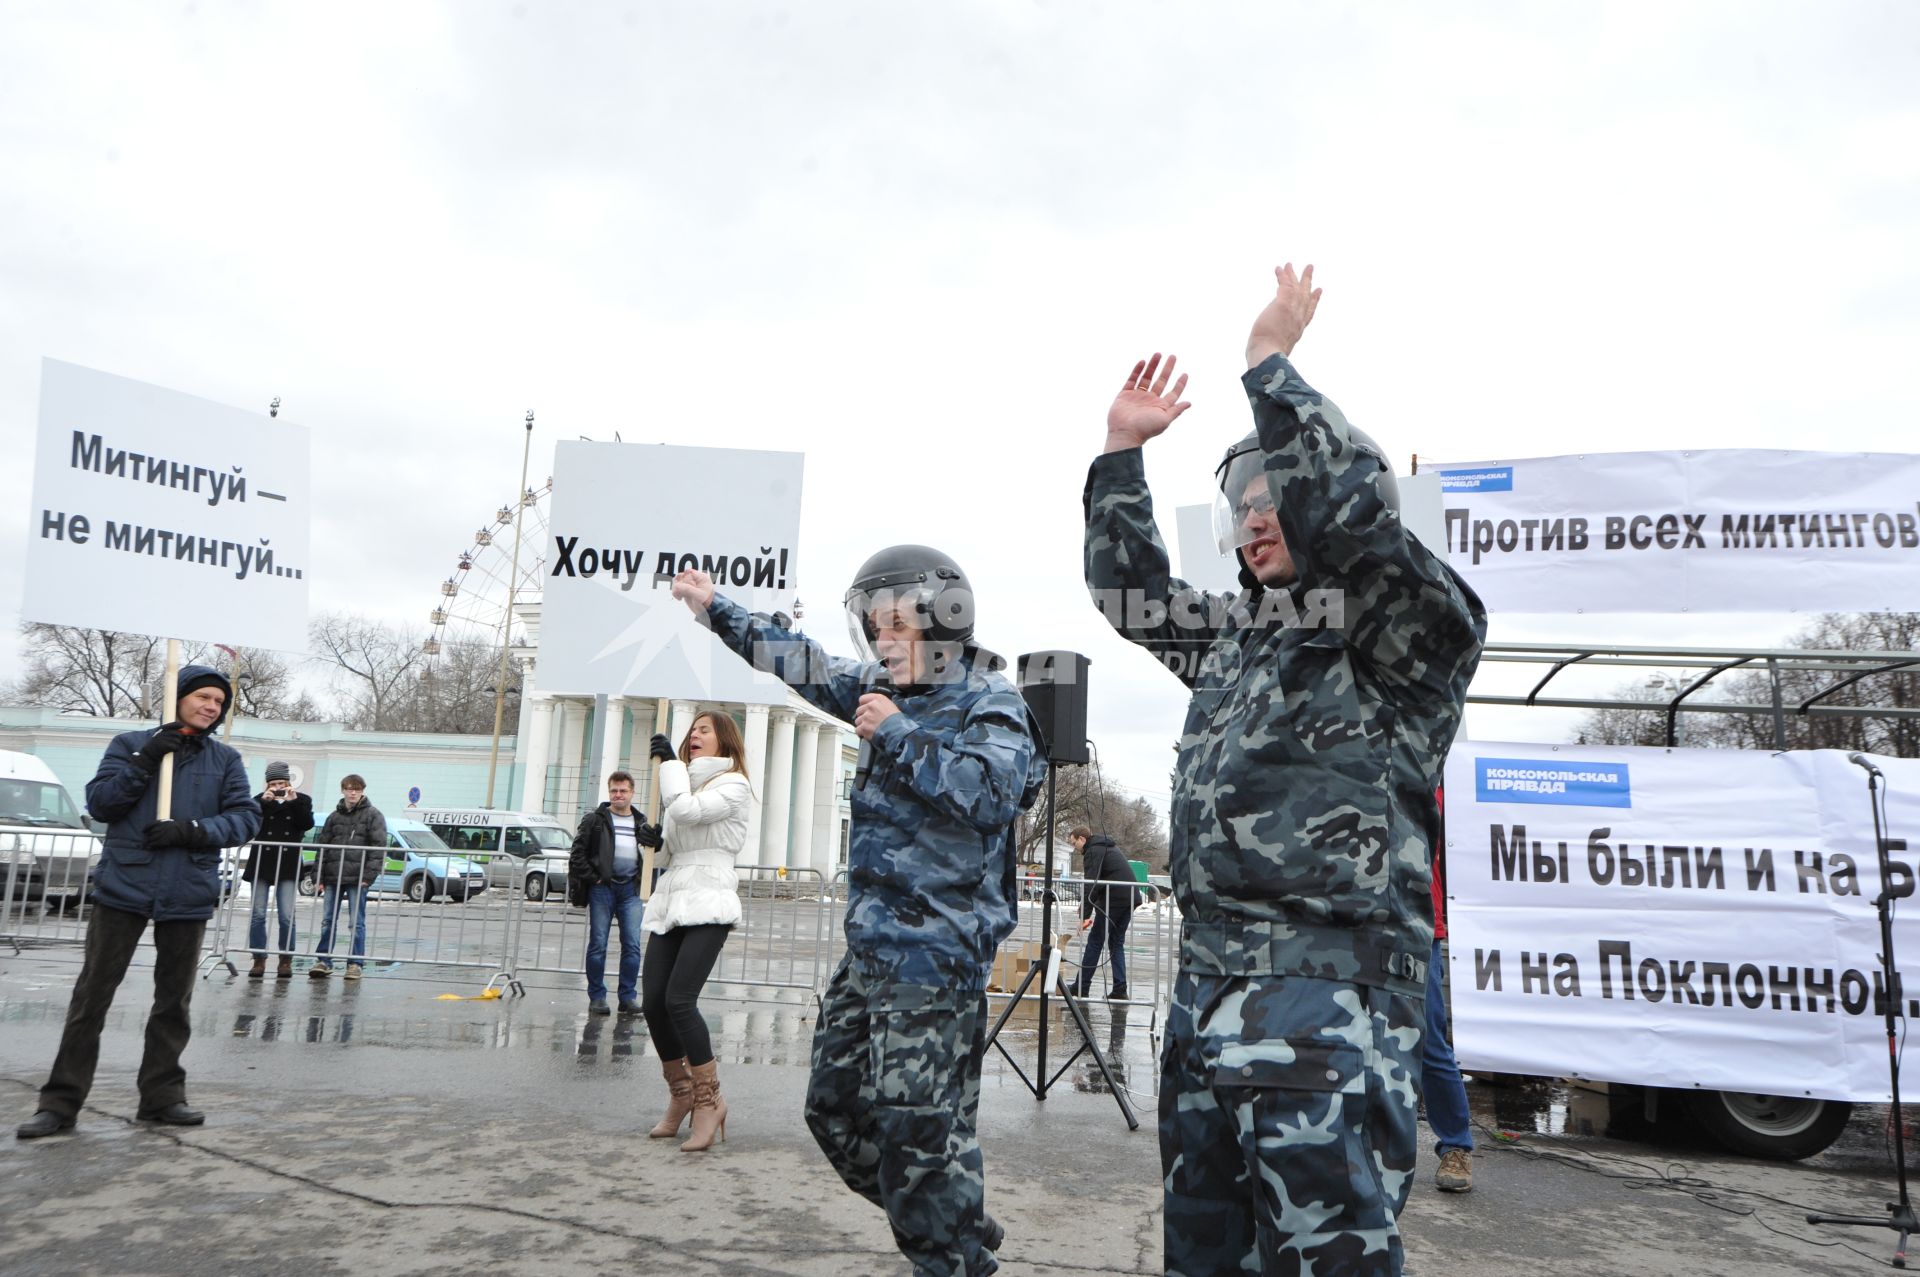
471, 605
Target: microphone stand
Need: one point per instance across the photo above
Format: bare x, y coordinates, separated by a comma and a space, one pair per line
1900, 1218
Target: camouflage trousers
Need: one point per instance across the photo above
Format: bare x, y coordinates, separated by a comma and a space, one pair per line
892, 1102
1288, 1125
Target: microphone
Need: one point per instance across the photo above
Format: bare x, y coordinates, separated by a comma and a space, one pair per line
880, 683
1866, 764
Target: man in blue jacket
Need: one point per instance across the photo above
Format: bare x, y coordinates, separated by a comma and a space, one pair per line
949, 761
163, 871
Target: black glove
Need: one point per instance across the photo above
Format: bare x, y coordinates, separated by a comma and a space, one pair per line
175, 833
169, 738
649, 835
660, 749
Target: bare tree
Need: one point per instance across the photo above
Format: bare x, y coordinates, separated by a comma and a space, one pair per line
1839, 632
457, 692
1085, 797
101, 672
375, 668
385, 681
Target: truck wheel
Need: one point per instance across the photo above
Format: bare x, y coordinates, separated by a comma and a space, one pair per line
418, 889
536, 886
309, 884
1771, 1126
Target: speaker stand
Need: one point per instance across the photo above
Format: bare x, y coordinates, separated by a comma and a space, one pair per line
1047, 971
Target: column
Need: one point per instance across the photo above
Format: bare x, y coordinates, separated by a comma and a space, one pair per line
826, 802
523, 668
775, 792
638, 760
612, 734
532, 752
684, 712
806, 757
571, 758
756, 734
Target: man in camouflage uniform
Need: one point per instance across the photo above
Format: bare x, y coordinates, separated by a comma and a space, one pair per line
1324, 699
948, 762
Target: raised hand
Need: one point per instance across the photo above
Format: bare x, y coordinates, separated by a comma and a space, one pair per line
694, 588
1279, 324
1145, 407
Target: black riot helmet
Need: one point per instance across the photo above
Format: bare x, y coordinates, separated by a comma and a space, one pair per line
1246, 461
926, 584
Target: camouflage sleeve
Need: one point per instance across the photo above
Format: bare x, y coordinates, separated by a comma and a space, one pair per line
833, 683
1129, 574
975, 777
1407, 613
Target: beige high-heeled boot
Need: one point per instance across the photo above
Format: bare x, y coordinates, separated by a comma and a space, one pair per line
680, 1083
709, 1110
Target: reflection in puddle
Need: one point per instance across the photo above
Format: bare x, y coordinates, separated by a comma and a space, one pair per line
1541, 1106
331, 1014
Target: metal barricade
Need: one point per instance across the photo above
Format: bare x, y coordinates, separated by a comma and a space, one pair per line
45, 881
428, 907
780, 942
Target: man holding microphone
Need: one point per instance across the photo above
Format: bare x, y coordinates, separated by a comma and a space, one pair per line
951, 758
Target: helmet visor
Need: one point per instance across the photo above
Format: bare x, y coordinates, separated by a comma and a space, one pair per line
1243, 508
879, 619
914, 607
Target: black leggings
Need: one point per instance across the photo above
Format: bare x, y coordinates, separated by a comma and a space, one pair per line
677, 965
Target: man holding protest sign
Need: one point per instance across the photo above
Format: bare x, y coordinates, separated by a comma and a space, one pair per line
949, 761
1325, 696
163, 869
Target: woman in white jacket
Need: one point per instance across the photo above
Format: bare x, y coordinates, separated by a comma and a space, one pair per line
705, 800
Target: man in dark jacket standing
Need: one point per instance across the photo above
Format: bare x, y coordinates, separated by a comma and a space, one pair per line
273, 867
163, 871
1106, 906
606, 860
353, 852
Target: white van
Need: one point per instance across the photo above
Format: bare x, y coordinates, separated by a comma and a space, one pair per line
46, 848
523, 850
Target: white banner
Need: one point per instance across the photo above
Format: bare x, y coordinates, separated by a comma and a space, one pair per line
625, 518
1730, 530
1687, 918
158, 513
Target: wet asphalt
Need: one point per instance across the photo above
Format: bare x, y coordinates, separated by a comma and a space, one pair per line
376, 1128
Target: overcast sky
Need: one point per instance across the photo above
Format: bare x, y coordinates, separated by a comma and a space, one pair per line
923, 243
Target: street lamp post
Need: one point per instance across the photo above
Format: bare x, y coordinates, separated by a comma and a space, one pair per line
506, 622
1674, 688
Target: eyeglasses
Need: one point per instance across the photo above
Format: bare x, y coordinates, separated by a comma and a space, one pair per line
1262, 503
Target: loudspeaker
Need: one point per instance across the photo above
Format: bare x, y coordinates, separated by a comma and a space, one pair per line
1055, 687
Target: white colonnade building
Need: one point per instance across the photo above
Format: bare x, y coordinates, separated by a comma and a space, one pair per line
800, 761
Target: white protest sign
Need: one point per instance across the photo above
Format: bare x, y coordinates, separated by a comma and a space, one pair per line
626, 517
158, 513
1688, 918
1729, 530
1201, 563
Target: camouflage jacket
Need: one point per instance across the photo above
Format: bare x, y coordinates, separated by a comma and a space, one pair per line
1303, 808
930, 867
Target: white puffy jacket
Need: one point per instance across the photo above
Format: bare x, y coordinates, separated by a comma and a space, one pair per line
703, 827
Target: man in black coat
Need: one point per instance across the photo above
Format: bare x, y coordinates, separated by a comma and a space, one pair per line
604, 867
1106, 905
273, 867
166, 872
